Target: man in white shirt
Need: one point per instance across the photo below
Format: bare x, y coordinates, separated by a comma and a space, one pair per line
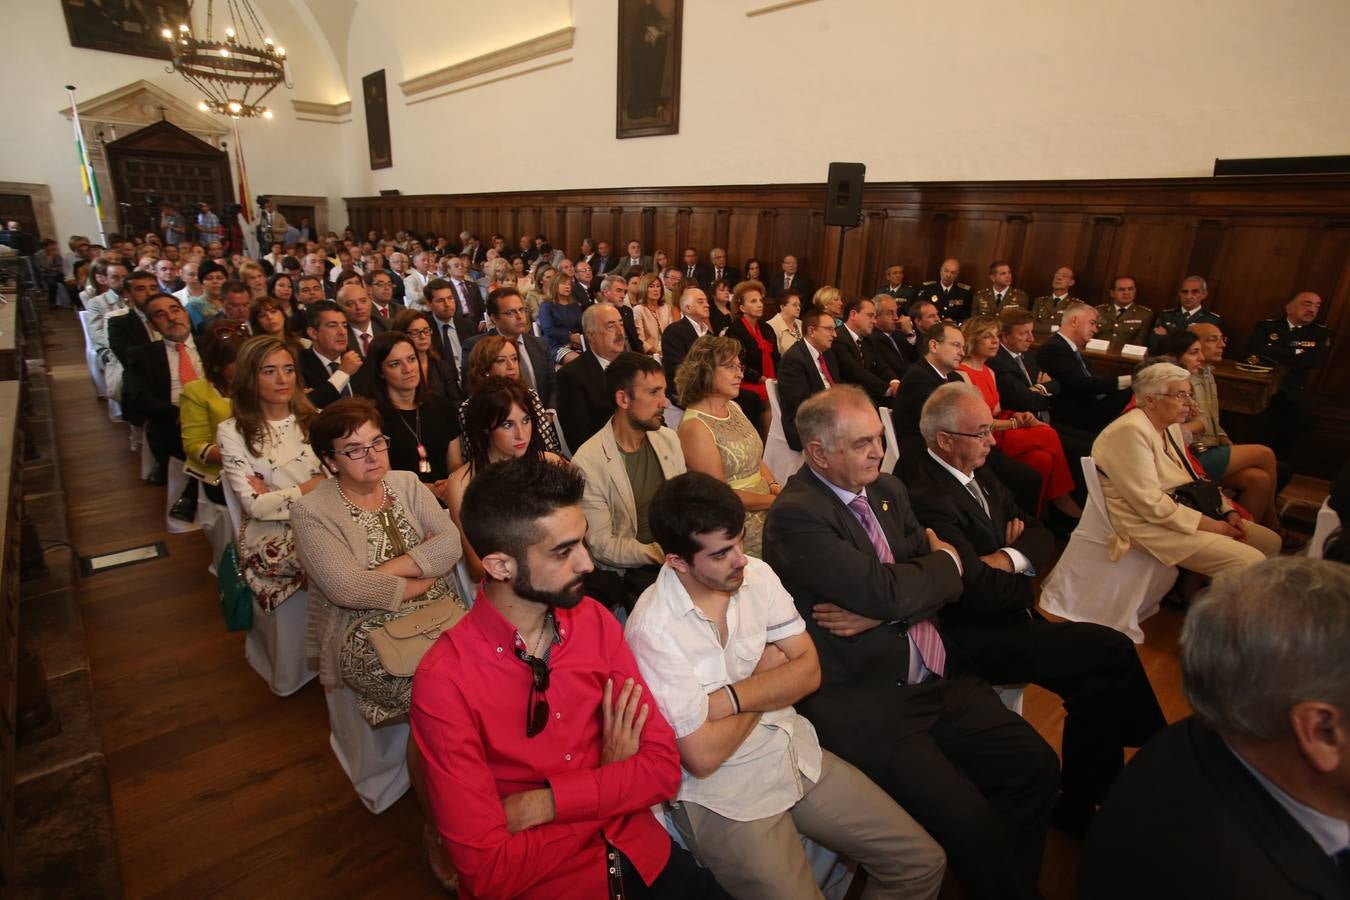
416, 281
328, 364
192, 287
725, 655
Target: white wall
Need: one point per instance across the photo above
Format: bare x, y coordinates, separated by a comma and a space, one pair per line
975, 90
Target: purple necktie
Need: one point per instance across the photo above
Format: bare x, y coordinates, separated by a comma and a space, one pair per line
924, 634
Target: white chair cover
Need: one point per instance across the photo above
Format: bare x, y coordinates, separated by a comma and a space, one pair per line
91, 356
781, 459
214, 520
673, 416
375, 759
177, 481
892, 455
1086, 586
1327, 522
1011, 695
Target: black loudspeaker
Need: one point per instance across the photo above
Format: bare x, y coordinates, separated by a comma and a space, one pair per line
390, 193
843, 194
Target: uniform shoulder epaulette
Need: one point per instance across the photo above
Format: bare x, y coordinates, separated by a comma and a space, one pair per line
962, 284
927, 283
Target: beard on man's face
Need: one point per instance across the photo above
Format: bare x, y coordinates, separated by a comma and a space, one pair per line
565, 597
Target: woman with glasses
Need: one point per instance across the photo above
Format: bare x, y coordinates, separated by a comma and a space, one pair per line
1142, 461
422, 427
268, 465
495, 356
1020, 435
374, 540
438, 376
787, 323
500, 423
716, 436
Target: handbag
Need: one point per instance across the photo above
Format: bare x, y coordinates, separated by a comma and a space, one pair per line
236, 600
1200, 495
403, 641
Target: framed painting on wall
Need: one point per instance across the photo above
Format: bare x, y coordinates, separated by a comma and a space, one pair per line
377, 120
649, 67
132, 28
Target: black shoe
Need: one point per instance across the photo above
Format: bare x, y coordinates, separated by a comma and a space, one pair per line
157, 477
1073, 815
184, 509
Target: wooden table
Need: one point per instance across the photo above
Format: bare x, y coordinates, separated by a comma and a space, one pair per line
1239, 392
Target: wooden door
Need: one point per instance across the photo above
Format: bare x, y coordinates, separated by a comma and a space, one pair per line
163, 159
19, 208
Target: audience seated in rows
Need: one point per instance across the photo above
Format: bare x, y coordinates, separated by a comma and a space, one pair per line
807, 368
422, 428
494, 355
585, 403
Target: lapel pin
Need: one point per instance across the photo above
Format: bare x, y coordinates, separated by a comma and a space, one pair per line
885, 506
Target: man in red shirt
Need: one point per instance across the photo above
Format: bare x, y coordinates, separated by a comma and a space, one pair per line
542, 760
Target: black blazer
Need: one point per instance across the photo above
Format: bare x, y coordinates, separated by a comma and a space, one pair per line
1085, 400
395, 308
861, 366
467, 325
675, 343
584, 404
1187, 819
917, 385
730, 274
315, 375
377, 327
630, 329
751, 358
799, 378
610, 267
1014, 393
819, 549
800, 283
147, 391
892, 349
991, 595
126, 333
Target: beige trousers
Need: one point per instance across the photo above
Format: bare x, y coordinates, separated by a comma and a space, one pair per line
845, 811
1226, 553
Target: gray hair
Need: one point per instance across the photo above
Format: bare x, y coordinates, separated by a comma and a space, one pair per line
1265, 638
818, 416
882, 298
1204, 286
942, 410
608, 281
1153, 380
590, 319
1077, 307
686, 296
350, 290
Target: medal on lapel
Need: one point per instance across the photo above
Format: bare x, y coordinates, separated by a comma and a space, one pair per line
885, 506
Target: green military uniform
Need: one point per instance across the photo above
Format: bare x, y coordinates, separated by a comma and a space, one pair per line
952, 303
986, 304
904, 294
1175, 319
1049, 311
1133, 325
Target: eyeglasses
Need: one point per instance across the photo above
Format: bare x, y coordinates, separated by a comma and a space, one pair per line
536, 708
978, 435
379, 445
418, 332
733, 367
1184, 396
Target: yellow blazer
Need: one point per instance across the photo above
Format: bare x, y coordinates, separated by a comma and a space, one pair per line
1136, 475
201, 409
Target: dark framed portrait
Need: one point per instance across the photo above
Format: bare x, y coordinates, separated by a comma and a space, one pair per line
124, 26
377, 120
649, 67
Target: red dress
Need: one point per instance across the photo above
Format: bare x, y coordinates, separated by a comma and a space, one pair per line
1036, 447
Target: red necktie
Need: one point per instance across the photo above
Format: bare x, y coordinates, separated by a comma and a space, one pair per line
384, 311
824, 370
365, 344
186, 371
924, 634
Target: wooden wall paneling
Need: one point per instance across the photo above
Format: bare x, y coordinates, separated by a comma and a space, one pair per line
665, 236
973, 239
1101, 251
701, 231
1209, 234
648, 230
874, 236
577, 225
629, 226
1328, 274
815, 258
742, 234
722, 231
1052, 240
905, 239
556, 217
766, 242
937, 225
1256, 270
681, 240
1012, 236
527, 221
1154, 251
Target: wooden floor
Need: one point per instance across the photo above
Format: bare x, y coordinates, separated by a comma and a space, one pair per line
220, 788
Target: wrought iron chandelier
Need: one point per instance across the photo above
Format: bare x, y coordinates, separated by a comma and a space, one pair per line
234, 73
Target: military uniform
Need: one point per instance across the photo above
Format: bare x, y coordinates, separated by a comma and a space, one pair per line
1175, 319
1132, 326
1049, 311
952, 303
904, 294
1301, 350
986, 304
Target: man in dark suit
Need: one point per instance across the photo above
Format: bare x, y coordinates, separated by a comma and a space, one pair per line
680, 336
604, 263
362, 326
858, 364
718, 269
636, 259
440, 300
695, 271
894, 340
506, 309
614, 289
234, 311
328, 364
1085, 400
381, 290
1023, 388
790, 277
945, 348
581, 284
151, 388
1249, 797
808, 367
995, 626
951, 297
129, 330
468, 300
584, 403
892, 700
1296, 341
